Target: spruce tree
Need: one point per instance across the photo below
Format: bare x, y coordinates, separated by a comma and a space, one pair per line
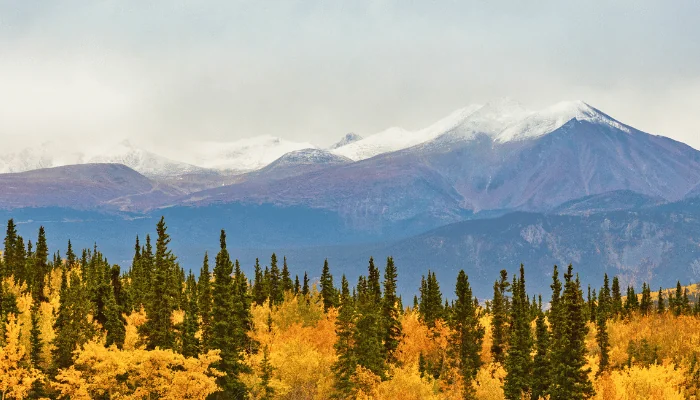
661, 302
499, 321
224, 327
297, 285
345, 330
161, 303
41, 266
631, 302
604, 312
369, 349
677, 304
242, 313
190, 324
541, 365
204, 302
390, 313
305, 289
268, 392
328, 292
468, 334
616, 294
518, 363
645, 304
275, 282
287, 284
569, 375
34, 337
259, 289
430, 307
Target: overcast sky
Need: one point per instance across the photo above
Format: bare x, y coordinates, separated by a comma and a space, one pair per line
313, 70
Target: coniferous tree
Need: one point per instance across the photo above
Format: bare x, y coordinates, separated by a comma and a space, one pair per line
593, 307
661, 302
161, 302
368, 340
297, 285
41, 266
275, 282
287, 284
259, 290
224, 327
73, 327
518, 363
328, 292
677, 304
190, 324
616, 295
430, 306
541, 365
499, 322
602, 338
114, 322
570, 377
345, 330
243, 317
305, 288
631, 302
266, 369
468, 334
204, 302
390, 313
685, 303
645, 304
34, 337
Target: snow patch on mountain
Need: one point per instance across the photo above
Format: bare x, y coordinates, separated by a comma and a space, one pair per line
245, 154
143, 161
397, 138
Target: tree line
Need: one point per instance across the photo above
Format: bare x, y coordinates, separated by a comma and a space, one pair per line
541, 347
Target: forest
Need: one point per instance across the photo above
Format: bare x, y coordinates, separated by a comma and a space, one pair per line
74, 326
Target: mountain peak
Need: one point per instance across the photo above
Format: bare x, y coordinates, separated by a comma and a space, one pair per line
347, 139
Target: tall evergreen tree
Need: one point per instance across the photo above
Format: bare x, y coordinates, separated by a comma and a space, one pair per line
161, 303
190, 324
275, 282
499, 321
616, 294
661, 302
677, 304
569, 375
224, 327
645, 305
34, 337
602, 338
468, 334
631, 301
541, 365
41, 266
287, 283
430, 307
204, 303
390, 313
345, 330
369, 335
328, 292
297, 285
259, 288
518, 363
268, 391
305, 288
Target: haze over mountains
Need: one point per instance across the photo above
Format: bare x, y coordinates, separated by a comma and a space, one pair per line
480, 189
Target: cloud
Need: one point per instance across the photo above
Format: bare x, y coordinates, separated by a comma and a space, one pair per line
162, 71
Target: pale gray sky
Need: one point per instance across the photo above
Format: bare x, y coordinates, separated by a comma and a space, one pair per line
313, 70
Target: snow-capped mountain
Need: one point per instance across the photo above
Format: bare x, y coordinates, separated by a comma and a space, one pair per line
245, 154
397, 138
143, 161
44, 155
347, 139
502, 120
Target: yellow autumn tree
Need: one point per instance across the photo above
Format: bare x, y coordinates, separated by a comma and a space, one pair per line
137, 374
16, 377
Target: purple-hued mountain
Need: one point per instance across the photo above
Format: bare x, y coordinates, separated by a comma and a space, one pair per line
85, 186
499, 157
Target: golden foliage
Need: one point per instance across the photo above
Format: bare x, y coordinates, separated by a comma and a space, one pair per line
137, 374
657, 382
16, 378
132, 340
